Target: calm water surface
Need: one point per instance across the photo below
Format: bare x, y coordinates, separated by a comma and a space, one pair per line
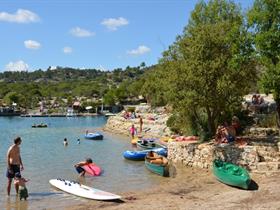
44, 158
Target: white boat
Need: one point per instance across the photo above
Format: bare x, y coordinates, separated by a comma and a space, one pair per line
110, 114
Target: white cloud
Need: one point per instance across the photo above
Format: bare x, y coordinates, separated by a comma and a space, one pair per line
79, 32
31, 44
21, 16
139, 51
17, 66
67, 50
53, 68
113, 23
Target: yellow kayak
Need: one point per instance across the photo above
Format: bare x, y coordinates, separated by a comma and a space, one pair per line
166, 139
134, 140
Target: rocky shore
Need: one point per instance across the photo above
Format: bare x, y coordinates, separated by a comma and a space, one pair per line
154, 122
258, 151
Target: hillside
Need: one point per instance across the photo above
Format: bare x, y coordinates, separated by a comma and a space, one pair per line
71, 74
29, 88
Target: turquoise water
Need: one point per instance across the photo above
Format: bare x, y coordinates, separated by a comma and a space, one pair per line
44, 158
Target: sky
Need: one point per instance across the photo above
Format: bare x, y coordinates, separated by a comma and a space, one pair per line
100, 34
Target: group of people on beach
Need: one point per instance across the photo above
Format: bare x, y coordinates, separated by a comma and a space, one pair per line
133, 130
257, 99
258, 104
227, 133
15, 168
129, 115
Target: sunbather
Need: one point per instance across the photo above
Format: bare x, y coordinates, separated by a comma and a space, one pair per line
225, 134
156, 159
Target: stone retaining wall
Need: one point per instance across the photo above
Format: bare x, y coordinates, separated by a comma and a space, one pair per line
259, 158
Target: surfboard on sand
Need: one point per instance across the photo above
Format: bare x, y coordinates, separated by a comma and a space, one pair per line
92, 169
80, 190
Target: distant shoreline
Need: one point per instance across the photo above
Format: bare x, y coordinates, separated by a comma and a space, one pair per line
61, 115
51, 115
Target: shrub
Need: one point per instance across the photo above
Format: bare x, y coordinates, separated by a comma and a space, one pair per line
268, 120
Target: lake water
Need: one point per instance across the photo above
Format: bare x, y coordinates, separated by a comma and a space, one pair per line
44, 158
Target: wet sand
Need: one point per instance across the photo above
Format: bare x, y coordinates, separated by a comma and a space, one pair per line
197, 189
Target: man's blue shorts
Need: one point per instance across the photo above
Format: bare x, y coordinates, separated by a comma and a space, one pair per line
12, 171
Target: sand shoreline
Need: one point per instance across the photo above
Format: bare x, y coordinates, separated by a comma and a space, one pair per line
193, 188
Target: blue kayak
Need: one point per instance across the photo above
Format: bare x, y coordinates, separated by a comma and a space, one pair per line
94, 136
140, 155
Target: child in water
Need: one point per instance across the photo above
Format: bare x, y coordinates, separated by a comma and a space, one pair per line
79, 168
132, 131
65, 142
20, 182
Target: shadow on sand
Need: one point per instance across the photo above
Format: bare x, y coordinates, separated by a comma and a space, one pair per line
44, 194
253, 186
114, 201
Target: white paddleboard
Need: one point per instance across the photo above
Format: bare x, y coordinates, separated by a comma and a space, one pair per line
81, 190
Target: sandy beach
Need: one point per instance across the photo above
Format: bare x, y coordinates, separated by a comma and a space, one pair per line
194, 188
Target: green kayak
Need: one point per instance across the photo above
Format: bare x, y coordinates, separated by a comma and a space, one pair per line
231, 174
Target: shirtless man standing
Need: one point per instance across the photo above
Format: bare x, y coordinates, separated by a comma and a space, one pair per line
14, 163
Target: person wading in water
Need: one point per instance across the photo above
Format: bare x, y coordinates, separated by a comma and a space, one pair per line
14, 163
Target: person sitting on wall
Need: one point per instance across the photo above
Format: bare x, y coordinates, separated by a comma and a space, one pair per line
236, 124
254, 99
260, 100
225, 134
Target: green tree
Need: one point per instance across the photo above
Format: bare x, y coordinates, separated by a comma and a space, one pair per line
109, 98
210, 67
142, 65
156, 85
12, 97
121, 93
70, 101
264, 18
